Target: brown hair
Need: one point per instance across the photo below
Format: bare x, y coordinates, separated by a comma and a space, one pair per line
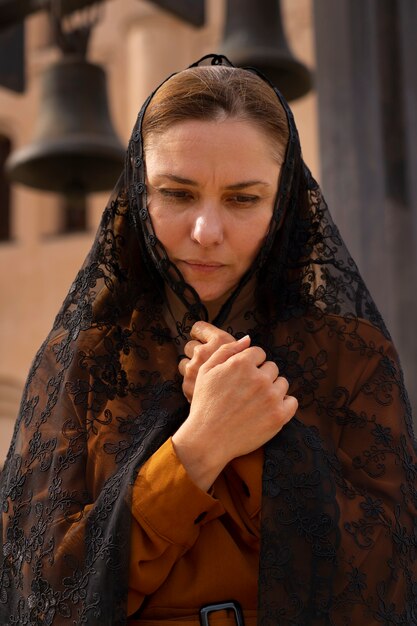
211, 93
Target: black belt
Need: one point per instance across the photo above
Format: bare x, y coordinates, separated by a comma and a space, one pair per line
222, 606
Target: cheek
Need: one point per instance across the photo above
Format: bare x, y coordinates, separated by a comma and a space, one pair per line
251, 238
162, 223
170, 227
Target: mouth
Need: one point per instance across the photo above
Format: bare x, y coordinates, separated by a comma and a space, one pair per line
197, 265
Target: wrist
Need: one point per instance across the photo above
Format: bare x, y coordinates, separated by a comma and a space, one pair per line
199, 461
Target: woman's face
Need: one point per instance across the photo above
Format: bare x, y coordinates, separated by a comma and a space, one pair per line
211, 190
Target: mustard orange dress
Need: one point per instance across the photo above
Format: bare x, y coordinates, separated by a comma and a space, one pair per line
196, 548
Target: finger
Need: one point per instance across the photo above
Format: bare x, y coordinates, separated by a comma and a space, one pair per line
226, 351
205, 332
190, 346
182, 366
291, 405
256, 355
270, 369
282, 385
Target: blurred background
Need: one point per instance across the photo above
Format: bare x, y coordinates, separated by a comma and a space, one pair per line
73, 75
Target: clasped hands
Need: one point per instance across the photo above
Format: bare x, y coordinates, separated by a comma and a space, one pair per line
238, 402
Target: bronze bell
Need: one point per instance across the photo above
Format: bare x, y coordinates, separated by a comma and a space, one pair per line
254, 36
75, 148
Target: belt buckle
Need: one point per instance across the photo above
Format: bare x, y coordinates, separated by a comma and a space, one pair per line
221, 606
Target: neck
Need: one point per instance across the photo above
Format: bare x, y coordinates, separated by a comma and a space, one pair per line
243, 303
213, 307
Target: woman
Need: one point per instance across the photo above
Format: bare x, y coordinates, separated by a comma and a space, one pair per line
274, 466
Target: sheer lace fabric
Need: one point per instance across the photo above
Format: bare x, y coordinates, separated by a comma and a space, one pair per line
339, 523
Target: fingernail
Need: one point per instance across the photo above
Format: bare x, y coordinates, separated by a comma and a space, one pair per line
243, 339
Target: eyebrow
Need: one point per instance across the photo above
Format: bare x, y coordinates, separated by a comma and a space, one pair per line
193, 183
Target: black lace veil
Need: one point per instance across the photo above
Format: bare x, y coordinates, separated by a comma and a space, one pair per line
339, 523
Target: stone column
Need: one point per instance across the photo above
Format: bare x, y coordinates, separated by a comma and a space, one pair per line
367, 94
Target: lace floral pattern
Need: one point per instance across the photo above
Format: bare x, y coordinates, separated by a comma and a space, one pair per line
339, 512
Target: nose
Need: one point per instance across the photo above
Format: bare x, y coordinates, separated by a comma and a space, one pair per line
207, 226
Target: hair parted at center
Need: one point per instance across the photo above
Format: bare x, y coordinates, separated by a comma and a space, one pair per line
217, 93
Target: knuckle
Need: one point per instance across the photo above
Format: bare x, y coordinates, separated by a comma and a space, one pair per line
295, 404
201, 353
198, 326
283, 382
188, 369
198, 353
273, 368
260, 352
291, 407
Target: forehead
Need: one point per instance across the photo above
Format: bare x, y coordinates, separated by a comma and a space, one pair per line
233, 143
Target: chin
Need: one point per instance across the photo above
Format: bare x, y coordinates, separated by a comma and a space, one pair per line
212, 298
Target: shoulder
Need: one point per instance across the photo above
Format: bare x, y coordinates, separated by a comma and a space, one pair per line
346, 334
333, 352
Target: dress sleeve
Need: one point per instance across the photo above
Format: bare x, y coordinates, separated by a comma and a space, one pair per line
168, 512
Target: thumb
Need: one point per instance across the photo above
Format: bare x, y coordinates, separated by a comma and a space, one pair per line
222, 354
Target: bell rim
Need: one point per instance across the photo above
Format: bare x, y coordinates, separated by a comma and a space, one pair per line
40, 153
76, 144
260, 58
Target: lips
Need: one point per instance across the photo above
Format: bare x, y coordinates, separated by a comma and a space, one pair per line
198, 265
203, 263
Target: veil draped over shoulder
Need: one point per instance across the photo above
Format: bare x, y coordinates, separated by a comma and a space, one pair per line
339, 504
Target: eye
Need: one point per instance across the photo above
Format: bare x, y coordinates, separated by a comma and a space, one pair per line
243, 199
176, 194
